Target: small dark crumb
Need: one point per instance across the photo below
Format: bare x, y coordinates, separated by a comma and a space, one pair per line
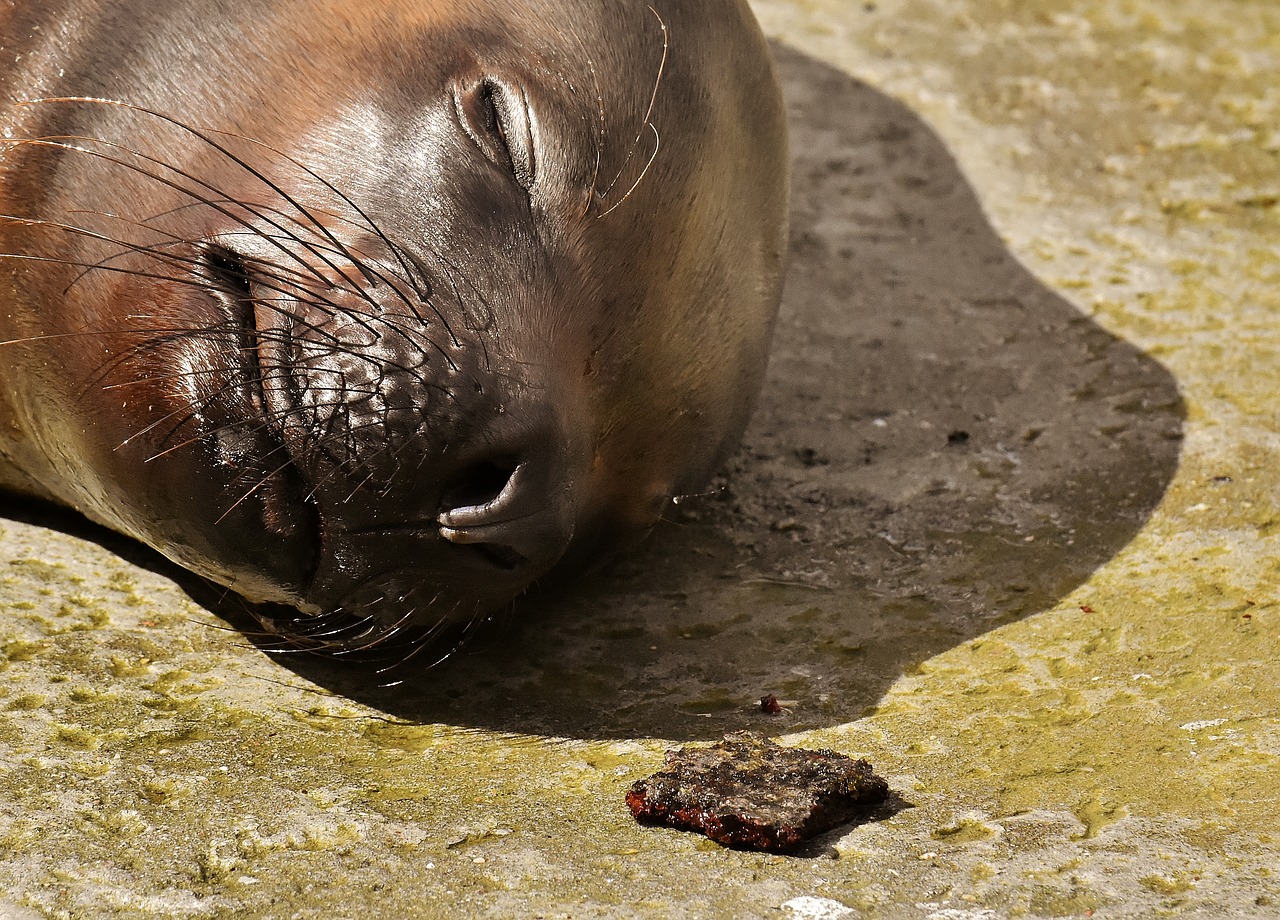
959, 436
751, 793
770, 705
1222, 480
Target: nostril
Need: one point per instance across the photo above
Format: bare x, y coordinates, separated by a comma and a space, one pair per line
477, 485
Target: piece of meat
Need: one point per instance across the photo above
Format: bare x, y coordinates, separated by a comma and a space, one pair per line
751, 793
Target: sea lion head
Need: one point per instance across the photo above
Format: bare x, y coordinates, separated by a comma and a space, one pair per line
389, 309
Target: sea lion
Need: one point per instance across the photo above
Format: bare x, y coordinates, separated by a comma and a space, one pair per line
383, 309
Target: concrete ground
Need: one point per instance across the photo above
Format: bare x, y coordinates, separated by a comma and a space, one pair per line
1005, 524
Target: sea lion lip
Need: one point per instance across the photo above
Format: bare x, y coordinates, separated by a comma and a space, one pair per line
502, 558
457, 523
424, 529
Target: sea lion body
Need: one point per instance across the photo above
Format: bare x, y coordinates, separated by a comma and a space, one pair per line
383, 308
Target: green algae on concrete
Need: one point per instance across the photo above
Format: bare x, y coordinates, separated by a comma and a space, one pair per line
1055, 635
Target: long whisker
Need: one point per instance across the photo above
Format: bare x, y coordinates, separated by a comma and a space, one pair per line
194, 132
154, 253
646, 123
600, 141
62, 143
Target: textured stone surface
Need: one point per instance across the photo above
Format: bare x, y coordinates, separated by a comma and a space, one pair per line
1056, 635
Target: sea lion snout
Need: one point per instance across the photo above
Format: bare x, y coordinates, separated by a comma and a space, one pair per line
441, 472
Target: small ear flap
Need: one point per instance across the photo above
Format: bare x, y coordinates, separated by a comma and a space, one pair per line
496, 117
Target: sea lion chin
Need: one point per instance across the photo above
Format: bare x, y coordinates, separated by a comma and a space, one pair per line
383, 310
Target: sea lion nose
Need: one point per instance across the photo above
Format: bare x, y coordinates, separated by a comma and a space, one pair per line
515, 511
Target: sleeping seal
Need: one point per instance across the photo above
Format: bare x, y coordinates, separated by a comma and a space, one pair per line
383, 309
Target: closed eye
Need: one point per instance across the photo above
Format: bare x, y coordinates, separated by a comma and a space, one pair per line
497, 118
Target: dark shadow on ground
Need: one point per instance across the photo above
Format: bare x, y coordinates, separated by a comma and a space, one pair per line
943, 446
